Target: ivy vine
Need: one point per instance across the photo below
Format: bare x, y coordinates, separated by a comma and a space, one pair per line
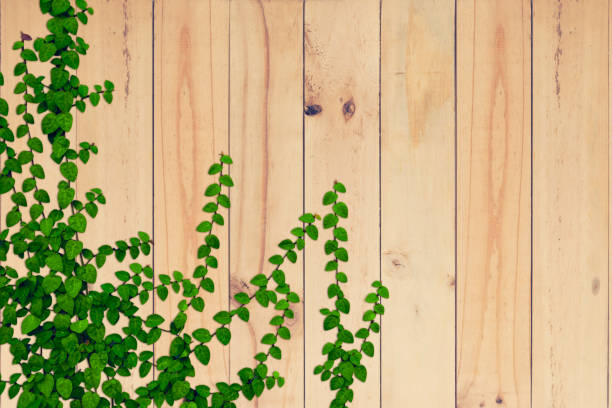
55, 323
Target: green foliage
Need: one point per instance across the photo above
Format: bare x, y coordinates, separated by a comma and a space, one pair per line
63, 346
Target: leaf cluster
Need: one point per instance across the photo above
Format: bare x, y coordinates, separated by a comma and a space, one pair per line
55, 322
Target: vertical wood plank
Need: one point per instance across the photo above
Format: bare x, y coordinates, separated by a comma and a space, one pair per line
418, 203
191, 99
493, 204
570, 204
119, 32
266, 145
342, 142
26, 18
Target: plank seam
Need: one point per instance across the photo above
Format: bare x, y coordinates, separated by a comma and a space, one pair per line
380, 355
153, 155
455, 153
531, 214
608, 185
229, 193
304, 201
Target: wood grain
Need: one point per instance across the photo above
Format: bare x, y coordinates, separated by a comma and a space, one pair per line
191, 130
493, 204
121, 32
342, 142
570, 204
266, 145
418, 208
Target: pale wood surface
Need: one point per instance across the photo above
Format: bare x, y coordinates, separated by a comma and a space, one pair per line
425, 115
570, 204
493, 204
342, 142
191, 130
418, 183
266, 146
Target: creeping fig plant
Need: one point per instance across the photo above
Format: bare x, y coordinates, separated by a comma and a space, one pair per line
54, 323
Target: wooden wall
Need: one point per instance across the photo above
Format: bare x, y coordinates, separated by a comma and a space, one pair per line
472, 136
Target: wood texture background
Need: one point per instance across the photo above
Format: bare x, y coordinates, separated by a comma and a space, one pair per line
472, 136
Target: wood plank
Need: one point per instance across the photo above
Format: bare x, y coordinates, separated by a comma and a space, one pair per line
119, 32
266, 145
191, 98
28, 19
342, 143
418, 216
570, 204
493, 204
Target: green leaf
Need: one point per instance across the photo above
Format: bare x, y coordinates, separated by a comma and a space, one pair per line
37, 171
215, 168
329, 198
224, 335
77, 222
51, 283
112, 388
6, 184
202, 335
284, 333
4, 108
339, 187
73, 286
346, 336
202, 352
28, 55
54, 261
59, 6
13, 217
368, 348
226, 180
179, 389
73, 248
307, 218
63, 100
94, 98
268, 339
90, 400
212, 190
276, 260
329, 221
71, 58
312, 232
242, 298
369, 315
64, 387
343, 305
154, 320
361, 373
29, 323
330, 322
383, 292
49, 123
341, 254
341, 209
222, 317
69, 170
79, 326
226, 159
340, 234
46, 385
46, 51
64, 120
259, 280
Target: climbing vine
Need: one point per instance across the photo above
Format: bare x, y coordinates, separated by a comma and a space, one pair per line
55, 323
